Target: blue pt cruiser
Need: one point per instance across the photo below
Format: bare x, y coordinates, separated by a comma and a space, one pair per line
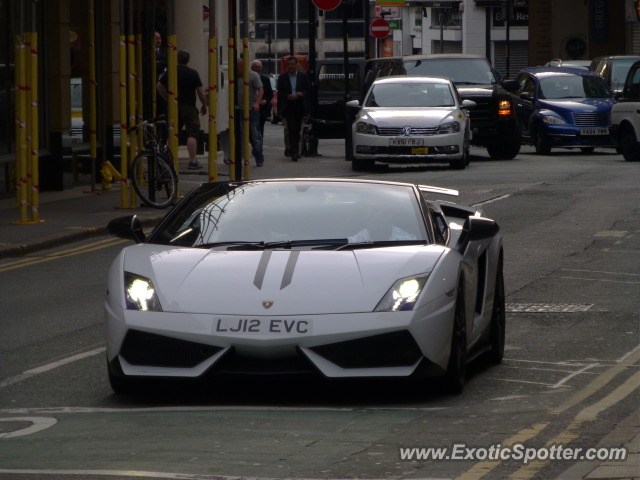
562, 107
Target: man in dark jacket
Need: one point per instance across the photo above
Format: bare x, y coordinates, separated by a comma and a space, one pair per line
294, 103
265, 105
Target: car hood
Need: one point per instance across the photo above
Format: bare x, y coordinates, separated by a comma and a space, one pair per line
579, 105
192, 280
399, 117
475, 91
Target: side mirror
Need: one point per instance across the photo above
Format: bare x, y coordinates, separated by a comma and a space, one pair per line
481, 228
353, 104
526, 96
617, 96
510, 85
128, 227
468, 104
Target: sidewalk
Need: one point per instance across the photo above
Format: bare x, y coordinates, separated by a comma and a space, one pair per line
73, 215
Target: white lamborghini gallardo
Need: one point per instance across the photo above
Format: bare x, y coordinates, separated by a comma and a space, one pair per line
338, 278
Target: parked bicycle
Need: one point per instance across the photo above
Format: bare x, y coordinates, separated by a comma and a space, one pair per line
310, 137
157, 165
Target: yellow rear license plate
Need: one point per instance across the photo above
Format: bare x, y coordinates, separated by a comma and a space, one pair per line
420, 151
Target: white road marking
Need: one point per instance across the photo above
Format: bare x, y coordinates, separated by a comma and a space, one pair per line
518, 381
204, 409
134, 473
597, 271
571, 375
39, 423
597, 279
628, 354
50, 366
547, 307
501, 197
611, 233
510, 397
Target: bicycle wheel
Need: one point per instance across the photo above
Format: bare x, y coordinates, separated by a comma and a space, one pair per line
162, 192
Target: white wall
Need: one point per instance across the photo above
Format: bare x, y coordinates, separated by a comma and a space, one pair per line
474, 28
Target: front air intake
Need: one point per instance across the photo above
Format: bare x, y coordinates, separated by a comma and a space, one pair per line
396, 349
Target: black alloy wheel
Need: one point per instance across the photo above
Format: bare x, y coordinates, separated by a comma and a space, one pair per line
498, 319
542, 147
456, 374
629, 145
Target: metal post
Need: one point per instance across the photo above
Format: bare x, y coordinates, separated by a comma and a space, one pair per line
123, 111
345, 42
139, 103
35, 206
21, 104
16, 83
92, 94
507, 21
131, 89
246, 107
154, 74
441, 17
213, 93
27, 91
232, 121
367, 21
292, 25
269, 55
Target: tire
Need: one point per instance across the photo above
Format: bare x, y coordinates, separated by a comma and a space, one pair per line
542, 147
498, 323
456, 374
629, 145
119, 385
360, 165
458, 164
467, 152
166, 181
587, 150
507, 151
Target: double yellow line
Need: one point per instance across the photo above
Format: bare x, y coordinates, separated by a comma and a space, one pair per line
25, 262
587, 414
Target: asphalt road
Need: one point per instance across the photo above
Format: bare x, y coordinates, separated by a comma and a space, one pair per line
571, 235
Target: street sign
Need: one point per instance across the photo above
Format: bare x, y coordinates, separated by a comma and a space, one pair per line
387, 12
326, 4
395, 24
380, 28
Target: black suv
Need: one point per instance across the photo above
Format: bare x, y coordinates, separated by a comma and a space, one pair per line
614, 69
493, 121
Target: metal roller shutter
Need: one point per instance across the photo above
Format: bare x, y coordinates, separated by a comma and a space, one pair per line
449, 47
518, 57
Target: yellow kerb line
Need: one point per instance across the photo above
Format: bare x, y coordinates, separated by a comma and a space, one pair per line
47, 259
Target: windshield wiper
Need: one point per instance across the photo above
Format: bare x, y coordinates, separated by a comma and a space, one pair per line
380, 244
288, 244
469, 83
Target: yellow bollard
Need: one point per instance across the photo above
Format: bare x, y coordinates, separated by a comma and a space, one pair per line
176, 133
108, 173
35, 179
170, 94
131, 89
232, 126
21, 171
123, 124
246, 107
213, 109
27, 72
154, 74
139, 114
16, 82
92, 87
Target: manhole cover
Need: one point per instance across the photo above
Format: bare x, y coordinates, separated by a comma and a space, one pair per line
547, 307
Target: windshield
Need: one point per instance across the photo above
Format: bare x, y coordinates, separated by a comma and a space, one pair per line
419, 95
464, 71
620, 71
572, 86
293, 211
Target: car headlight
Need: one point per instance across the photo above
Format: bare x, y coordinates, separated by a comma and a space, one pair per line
552, 120
504, 107
366, 128
403, 295
140, 294
451, 127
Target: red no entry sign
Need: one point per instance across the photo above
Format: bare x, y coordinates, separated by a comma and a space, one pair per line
326, 4
380, 28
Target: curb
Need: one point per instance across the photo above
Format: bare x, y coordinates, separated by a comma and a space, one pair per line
65, 239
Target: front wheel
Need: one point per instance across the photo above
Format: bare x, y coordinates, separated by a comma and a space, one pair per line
541, 144
498, 322
162, 191
587, 150
456, 374
458, 164
629, 145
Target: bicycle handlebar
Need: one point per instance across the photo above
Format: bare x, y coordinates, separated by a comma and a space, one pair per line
158, 119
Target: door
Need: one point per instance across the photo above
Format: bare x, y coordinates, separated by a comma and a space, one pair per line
525, 107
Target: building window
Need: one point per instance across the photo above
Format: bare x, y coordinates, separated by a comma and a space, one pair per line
265, 10
449, 18
333, 22
276, 14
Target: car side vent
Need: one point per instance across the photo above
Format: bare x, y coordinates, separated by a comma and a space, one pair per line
152, 350
482, 280
396, 349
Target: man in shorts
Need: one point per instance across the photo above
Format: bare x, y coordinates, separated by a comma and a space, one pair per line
189, 84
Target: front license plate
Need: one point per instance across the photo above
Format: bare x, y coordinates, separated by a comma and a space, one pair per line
406, 142
594, 131
420, 151
253, 326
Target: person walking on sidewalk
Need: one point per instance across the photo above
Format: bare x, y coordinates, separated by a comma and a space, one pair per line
265, 104
256, 92
189, 84
293, 103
